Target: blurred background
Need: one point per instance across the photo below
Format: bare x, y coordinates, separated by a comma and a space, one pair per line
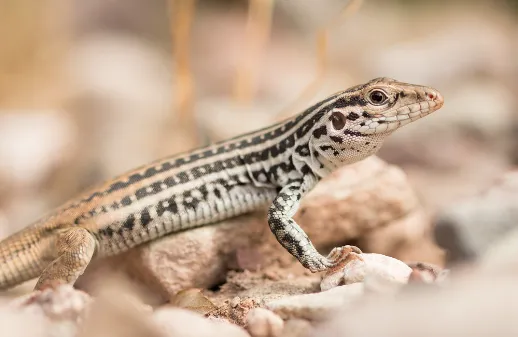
89, 89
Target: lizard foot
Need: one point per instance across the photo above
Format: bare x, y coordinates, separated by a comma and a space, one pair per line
336, 259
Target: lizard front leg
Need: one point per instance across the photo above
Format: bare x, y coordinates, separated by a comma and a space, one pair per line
74, 250
293, 238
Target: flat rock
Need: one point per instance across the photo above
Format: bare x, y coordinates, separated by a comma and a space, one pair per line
174, 322
316, 306
378, 266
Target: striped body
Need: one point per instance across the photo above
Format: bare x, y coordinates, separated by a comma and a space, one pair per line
274, 167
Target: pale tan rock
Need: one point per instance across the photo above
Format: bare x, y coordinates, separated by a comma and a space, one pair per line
16, 323
316, 306
379, 265
380, 268
351, 204
296, 327
175, 322
264, 323
117, 313
61, 303
56, 311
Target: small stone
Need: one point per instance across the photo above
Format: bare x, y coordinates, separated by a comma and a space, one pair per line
235, 302
376, 264
380, 268
192, 299
264, 323
427, 273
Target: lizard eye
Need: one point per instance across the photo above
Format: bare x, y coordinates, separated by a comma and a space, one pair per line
338, 120
377, 97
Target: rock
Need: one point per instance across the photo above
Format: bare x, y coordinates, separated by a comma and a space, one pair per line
355, 201
115, 312
316, 306
296, 328
468, 228
61, 303
376, 264
16, 323
192, 299
427, 273
58, 311
175, 322
480, 304
264, 323
380, 267
246, 290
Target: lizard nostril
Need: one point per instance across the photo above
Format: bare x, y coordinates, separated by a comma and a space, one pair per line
431, 95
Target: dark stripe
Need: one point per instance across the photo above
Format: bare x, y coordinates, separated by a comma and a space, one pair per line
353, 133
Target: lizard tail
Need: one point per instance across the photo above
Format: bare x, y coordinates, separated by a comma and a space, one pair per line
22, 256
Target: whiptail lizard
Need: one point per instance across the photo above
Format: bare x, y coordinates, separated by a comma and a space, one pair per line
275, 166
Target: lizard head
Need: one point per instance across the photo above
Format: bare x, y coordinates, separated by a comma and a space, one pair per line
360, 118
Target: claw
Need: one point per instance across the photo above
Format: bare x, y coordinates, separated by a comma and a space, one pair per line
340, 256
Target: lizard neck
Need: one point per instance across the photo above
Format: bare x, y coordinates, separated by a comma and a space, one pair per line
329, 156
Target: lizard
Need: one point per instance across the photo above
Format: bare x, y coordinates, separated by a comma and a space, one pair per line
273, 167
